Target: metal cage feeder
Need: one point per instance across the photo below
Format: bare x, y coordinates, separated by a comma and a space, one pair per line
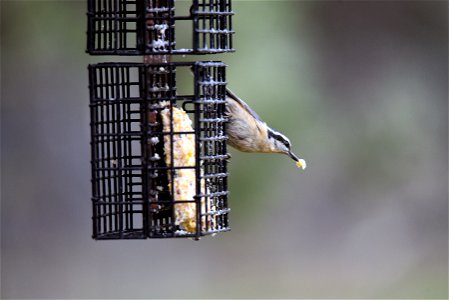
146, 27
159, 157
133, 185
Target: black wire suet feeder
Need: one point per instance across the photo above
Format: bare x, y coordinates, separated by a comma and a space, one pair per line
159, 157
147, 27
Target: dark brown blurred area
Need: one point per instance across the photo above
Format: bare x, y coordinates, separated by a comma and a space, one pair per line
361, 89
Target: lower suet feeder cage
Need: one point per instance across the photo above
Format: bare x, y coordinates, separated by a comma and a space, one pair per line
159, 158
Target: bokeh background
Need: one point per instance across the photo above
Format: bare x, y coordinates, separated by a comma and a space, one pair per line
359, 87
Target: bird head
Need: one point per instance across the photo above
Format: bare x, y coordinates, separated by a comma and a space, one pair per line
279, 143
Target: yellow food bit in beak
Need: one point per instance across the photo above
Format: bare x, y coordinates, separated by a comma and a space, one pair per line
301, 163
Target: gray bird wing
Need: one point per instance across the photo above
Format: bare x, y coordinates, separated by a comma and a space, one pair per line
233, 96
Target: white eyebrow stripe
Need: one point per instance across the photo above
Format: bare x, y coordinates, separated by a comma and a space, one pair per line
277, 136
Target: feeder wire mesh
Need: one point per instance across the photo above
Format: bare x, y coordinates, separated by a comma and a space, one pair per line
159, 157
147, 27
132, 194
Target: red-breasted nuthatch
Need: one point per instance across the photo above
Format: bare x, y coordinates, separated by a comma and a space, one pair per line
248, 133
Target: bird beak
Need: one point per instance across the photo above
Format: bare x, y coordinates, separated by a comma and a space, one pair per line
301, 163
293, 156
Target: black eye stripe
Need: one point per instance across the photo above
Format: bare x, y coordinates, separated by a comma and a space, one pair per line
278, 137
275, 135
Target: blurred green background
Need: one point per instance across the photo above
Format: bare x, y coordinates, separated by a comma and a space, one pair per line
359, 87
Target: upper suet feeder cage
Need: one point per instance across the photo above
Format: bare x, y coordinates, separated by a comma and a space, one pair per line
147, 27
159, 157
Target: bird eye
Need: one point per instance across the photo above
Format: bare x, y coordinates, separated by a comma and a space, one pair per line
285, 142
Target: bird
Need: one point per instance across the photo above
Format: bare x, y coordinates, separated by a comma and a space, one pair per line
247, 132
